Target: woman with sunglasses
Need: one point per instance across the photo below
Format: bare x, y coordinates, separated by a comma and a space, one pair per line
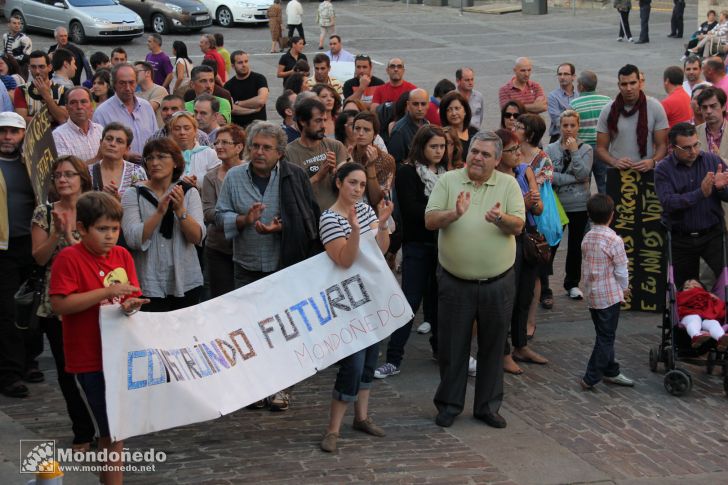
53, 228
162, 223
572, 161
510, 113
229, 146
525, 273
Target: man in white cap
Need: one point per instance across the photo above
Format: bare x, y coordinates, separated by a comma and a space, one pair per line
17, 203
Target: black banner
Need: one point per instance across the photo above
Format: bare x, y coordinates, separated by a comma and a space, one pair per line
39, 153
637, 221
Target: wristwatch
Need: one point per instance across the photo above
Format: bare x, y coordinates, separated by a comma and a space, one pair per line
183, 216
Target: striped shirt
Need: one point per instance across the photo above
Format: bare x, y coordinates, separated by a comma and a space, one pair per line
604, 267
527, 95
333, 225
71, 140
589, 107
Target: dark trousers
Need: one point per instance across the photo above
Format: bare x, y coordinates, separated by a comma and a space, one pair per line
244, 277
172, 303
525, 279
81, 422
577, 227
220, 272
16, 263
676, 21
645, 23
460, 303
599, 170
299, 27
602, 363
687, 251
419, 280
624, 30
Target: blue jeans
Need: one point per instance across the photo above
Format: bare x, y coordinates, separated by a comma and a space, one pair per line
599, 169
419, 280
602, 363
355, 372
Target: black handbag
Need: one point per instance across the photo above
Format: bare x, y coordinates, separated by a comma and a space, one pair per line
28, 297
536, 250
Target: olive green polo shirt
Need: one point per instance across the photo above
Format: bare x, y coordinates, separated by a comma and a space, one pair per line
472, 248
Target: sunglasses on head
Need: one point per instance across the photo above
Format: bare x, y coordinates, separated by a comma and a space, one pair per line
362, 57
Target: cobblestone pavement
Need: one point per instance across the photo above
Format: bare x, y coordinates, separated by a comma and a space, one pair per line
556, 434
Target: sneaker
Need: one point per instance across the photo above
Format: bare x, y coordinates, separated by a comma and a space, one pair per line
386, 370
424, 328
329, 442
279, 401
620, 380
630, 40
472, 367
697, 341
576, 294
368, 426
620, 39
257, 404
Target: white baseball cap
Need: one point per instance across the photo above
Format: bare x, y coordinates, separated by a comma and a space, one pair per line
12, 119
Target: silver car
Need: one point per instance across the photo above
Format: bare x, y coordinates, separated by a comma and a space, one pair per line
84, 19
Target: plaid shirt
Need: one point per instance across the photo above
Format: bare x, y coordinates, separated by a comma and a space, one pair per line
603, 267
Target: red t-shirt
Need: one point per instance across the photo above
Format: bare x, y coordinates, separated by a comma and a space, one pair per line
386, 92
76, 270
433, 114
213, 54
677, 107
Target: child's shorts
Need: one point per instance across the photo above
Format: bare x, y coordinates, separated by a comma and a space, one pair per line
92, 387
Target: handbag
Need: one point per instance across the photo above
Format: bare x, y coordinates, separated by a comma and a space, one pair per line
536, 250
28, 297
549, 222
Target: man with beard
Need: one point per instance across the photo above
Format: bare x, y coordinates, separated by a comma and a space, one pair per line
61, 35
31, 97
248, 89
17, 203
390, 91
711, 102
693, 67
314, 152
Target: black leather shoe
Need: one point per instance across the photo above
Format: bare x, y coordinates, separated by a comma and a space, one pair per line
642, 42
672, 35
16, 389
445, 420
492, 419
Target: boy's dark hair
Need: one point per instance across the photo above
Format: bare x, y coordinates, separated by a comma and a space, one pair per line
60, 57
304, 110
284, 102
39, 53
600, 208
92, 206
443, 87
98, 58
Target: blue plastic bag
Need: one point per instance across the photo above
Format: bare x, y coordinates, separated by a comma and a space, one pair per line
549, 222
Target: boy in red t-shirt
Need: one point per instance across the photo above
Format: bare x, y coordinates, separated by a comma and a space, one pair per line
83, 277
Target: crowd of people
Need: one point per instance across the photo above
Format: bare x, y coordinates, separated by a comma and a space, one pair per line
171, 187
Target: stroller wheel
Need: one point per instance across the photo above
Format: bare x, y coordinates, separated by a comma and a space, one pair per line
678, 382
654, 355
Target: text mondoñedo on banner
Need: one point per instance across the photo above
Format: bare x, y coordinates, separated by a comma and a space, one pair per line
171, 369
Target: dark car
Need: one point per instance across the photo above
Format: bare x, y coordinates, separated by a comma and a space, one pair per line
163, 16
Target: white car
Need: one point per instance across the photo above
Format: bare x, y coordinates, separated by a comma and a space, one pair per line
227, 12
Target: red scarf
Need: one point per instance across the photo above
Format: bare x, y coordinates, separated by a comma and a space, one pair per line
617, 109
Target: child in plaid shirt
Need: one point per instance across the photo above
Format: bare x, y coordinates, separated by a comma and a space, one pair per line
604, 273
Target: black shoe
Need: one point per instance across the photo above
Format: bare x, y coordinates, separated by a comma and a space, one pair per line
492, 419
34, 376
672, 35
642, 41
445, 420
16, 389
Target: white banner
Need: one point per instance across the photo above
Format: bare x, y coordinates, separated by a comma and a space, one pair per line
171, 369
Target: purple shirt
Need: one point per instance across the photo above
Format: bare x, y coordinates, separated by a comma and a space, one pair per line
142, 120
678, 187
162, 66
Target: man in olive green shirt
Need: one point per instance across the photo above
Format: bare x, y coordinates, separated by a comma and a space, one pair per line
478, 211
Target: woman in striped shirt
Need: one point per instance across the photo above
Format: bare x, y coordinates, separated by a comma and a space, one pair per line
340, 229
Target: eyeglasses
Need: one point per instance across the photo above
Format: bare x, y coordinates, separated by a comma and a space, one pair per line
254, 147
64, 175
396, 66
508, 115
695, 146
512, 149
223, 143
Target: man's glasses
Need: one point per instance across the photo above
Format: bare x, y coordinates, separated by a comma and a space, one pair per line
254, 147
695, 146
68, 175
508, 116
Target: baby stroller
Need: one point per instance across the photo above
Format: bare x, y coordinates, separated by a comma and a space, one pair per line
675, 345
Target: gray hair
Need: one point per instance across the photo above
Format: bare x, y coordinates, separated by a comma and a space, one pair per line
268, 129
157, 38
491, 137
58, 30
214, 102
115, 71
588, 81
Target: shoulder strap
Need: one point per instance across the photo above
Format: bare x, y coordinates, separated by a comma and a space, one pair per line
98, 183
143, 191
49, 209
